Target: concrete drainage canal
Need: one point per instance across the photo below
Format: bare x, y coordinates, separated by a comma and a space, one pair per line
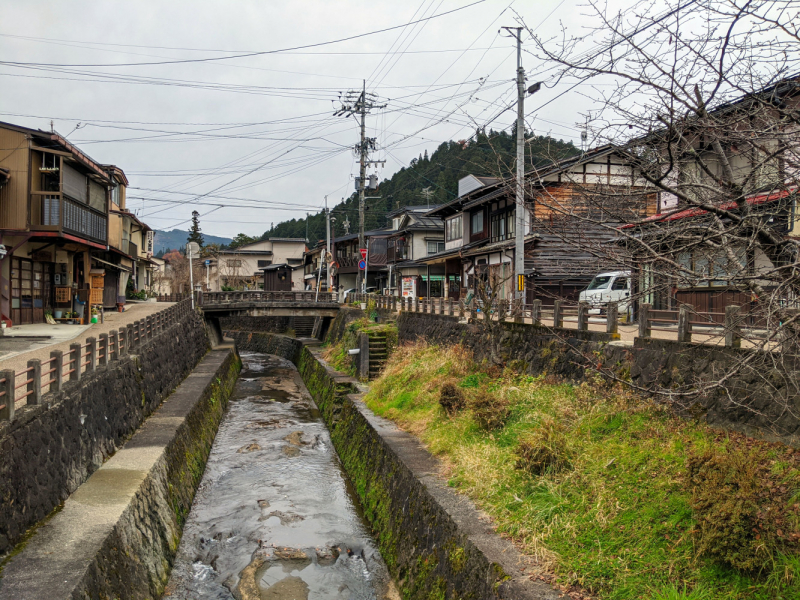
274, 517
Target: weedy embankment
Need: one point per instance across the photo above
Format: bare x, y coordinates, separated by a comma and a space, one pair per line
608, 491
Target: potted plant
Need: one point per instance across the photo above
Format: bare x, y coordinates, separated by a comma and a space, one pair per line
95, 314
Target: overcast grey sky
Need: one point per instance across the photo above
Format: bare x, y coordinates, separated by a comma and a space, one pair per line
252, 140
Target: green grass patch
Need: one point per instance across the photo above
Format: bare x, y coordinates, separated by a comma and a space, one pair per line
608, 490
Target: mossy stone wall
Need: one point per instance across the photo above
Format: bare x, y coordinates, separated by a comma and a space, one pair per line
49, 450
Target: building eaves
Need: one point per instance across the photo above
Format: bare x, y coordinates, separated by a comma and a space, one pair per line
412, 209
236, 251
55, 138
731, 205
567, 163
460, 251
494, 247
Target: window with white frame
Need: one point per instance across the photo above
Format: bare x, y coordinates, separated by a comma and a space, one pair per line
435, 246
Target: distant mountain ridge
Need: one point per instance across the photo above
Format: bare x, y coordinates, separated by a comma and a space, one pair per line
176, 240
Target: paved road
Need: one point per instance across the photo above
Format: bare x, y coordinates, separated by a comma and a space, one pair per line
41, 348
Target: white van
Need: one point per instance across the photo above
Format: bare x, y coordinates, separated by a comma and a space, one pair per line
613, 286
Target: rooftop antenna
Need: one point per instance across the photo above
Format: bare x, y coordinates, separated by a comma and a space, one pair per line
52, 127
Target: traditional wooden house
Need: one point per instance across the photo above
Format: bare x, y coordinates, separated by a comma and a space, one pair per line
572, 208
416, 236
54, 212
244, 267
727, 230
347, 255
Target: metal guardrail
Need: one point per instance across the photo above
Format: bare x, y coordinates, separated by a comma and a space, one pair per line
48, 376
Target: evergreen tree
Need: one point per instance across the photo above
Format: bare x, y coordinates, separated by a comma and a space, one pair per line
490, 153
194, 230
241, 239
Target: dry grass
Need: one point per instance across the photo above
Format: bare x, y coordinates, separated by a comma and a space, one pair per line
590, 481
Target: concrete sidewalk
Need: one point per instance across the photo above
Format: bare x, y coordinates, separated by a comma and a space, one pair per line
17, 349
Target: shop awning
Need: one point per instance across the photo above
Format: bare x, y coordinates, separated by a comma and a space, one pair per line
112, 265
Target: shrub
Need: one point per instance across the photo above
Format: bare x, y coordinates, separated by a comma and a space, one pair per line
451, 398
743, 514
489, 411
546, 449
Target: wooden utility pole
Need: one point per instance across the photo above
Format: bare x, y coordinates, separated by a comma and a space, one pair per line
352, 105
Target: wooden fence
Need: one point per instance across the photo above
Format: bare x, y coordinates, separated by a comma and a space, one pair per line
729, 328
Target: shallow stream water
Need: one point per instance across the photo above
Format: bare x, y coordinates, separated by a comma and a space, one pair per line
273, 518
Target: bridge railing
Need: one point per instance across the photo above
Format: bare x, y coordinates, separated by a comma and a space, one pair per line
26, 387
215, 298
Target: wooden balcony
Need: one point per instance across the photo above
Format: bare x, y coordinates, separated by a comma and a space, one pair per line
53, 212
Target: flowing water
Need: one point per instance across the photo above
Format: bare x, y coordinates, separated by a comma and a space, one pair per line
273, 517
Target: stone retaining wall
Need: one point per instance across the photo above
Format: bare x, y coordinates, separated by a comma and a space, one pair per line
51, 449
262, 324
117, 535
432, 539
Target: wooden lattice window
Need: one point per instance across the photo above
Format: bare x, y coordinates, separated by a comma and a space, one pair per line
63, 294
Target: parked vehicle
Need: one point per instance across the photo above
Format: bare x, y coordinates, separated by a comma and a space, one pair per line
612, 286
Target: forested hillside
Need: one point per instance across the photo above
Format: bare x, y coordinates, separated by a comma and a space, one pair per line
432, 180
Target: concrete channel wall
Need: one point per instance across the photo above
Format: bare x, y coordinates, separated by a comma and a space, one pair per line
117, 535
432, 539
51, 449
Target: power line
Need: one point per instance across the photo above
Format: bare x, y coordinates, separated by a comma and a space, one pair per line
246, 54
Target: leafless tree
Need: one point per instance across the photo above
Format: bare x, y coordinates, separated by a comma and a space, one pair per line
703, 97
491, 306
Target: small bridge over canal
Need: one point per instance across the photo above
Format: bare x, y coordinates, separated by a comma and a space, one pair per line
322, 307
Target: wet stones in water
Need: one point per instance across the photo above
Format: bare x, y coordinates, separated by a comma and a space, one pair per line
295, 440
257, 581
271, 423
290, 588
249, 448
286, 518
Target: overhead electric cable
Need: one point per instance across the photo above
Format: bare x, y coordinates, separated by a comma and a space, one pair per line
248, 54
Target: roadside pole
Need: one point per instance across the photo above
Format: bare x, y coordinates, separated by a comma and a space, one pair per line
366, 268
191, 274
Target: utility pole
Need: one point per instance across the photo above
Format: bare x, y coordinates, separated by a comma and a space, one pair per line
328, 257
352, 105
362, 165
521, 210
307, 228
